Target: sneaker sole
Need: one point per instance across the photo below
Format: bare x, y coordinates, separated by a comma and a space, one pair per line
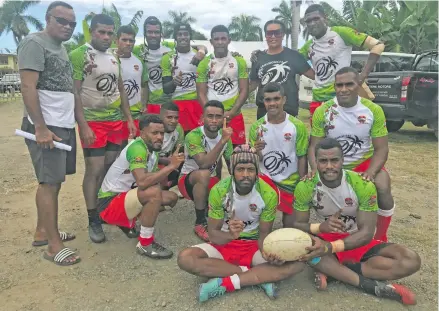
142, 253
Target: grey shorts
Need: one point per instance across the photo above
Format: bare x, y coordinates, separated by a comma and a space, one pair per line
52, 165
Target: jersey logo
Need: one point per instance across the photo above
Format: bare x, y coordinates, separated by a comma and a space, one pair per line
253, 207
362, 119
113, 62
155, 75
131, 88
348, 201
276, 162
138, 160
223, 86
188, 80
326, 67
136, 67
278, 72
287, 136
373, 200
350, 144
107, 84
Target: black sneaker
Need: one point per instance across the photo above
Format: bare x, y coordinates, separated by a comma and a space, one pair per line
396, 292
154, 250
95, 232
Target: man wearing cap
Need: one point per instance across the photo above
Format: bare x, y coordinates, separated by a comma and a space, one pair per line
242, 209
179, 75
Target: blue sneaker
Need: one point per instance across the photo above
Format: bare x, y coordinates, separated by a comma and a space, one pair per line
211, 289
270, 290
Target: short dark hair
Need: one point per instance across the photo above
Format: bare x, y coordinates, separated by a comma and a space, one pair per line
328, 143
103, 19
148, 119
126, 29
183, 26
54, 4
347, 70
170, 105
214, 103
219, 28
151, 20
272, 87
275, 21
316, 8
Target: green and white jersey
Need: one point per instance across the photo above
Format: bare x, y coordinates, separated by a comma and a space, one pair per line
100, 74
197, 142
134, 74
259, 205
222, 77
352, 195
172, 63
285, 142
171, 140
329, 54
152, 59
119, 177
353, 127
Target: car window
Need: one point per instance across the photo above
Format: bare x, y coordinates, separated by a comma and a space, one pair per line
385, 63
428, 63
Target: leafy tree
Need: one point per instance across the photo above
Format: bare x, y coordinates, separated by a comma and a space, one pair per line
178, 18
245, 28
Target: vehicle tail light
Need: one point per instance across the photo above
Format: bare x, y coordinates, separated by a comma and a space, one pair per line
404, 87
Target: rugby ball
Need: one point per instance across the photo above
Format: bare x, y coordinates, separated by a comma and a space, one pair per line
287, 243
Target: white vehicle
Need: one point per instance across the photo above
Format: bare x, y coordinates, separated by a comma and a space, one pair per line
387, 62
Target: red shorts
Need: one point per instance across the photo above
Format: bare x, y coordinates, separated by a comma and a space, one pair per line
115, 213
105, 131
186, 189
313, 106
126, 132
153, 108
238, 252
191, 114
352, 255
364, 166
238, 126
286, 199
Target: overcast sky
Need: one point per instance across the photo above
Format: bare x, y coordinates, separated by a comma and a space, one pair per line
207, 12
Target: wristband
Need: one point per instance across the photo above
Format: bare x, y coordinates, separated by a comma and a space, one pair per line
314, 228
337, 246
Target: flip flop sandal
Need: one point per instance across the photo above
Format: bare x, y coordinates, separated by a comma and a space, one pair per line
320, 281
65, 237
61, 256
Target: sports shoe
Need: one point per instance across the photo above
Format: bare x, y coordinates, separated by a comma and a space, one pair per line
211, 289
95, 232
154, 250
320, 281
395, 292
270, 290
201, 232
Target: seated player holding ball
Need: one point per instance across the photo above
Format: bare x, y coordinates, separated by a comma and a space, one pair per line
242, 209
131, 187
344, 247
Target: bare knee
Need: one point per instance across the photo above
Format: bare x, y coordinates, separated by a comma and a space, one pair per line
201, 176
187, 259
409, 261
169, 198
149, 195
382, 182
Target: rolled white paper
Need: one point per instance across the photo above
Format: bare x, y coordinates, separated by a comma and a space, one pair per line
32, 137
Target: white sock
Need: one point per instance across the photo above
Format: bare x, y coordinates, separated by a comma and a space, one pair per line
235, 281
386, 213
244, 268
146, 232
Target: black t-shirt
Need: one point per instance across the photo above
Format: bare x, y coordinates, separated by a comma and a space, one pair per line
281, 68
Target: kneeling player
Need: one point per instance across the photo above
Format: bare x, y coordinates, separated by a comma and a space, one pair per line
130, 189
347, 208
204, 148
242, 209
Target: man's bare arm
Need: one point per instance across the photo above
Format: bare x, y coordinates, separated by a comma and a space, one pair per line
301, 220
253, 85
29, 80
311, 152
375, 47
216, 236
310, 74
243, 95
202, 93
145, 95
302, 166
380, 154
264, 230
206, 160
366, 223
124, 102
145, 180
79, 109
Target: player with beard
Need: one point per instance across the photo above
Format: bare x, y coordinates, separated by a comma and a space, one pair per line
100, 98
330, 49
179, 75
242, 209
278, 64
204, 147
360, 127
222, 76
135, 77
282, 143
130, 189
173, 139
343, 245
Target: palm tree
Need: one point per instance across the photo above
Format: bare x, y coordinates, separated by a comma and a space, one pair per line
13, 18
245, 28
284, 15
114, 13
295, 23
176, 18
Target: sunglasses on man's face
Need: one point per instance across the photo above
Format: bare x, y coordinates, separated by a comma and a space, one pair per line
64, 22
276, 33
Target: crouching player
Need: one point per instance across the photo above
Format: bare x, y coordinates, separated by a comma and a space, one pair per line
242, 209
344, 248
131, 187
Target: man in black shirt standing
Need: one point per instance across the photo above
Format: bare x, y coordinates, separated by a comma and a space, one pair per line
278, 64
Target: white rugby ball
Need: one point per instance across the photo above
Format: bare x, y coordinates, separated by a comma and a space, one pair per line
287, 243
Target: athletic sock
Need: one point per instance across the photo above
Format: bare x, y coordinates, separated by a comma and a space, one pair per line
367, 285
383, 223
201, 217
93, 215
146, 236
231, 283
